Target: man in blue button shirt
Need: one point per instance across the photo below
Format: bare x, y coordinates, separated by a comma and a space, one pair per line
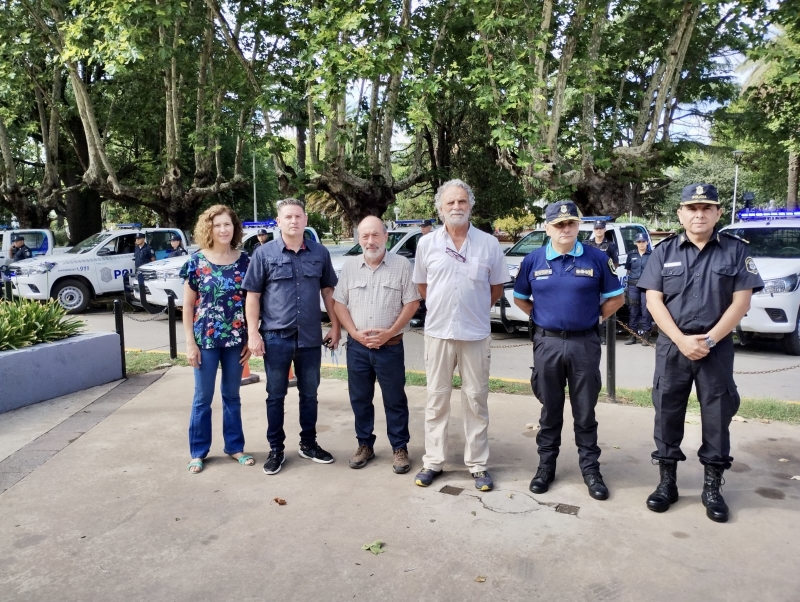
572, 286
284, 282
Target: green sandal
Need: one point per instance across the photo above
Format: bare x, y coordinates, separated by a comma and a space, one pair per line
244, 458
195, 463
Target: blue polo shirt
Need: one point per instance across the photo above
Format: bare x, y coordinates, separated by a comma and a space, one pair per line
290, 285
568, 289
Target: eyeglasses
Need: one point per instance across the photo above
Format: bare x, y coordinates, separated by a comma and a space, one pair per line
455, 255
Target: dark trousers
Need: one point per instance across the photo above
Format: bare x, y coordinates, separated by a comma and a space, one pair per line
716, 391
279, 353
640, 317
556, 363
387, 365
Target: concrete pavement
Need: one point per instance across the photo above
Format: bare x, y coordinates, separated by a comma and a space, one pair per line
115, 515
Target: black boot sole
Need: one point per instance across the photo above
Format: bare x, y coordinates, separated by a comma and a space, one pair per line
661, 507
716, 518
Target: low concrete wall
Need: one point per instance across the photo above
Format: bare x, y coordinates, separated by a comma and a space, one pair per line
49, 370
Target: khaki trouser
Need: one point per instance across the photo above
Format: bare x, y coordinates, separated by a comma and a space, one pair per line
472, 358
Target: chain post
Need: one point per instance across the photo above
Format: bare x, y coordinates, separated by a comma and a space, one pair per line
611, 358
7, 288
173, 340
120, 328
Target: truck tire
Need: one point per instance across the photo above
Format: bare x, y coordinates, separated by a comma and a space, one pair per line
791, 340
72, 295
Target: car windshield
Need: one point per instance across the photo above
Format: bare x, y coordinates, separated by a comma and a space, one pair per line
90, 243
781, 243
537, 239
394, 238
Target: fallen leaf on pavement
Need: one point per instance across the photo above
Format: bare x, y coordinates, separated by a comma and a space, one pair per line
376, 547
764, 420
511, 495
795, 478
532, 425
615, 446
480, 579
739, 419
279, 500
783, 460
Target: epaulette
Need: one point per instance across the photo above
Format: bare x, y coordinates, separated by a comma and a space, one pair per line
671, 236
732, 235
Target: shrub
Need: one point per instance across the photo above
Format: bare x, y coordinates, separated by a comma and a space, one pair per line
514, 225
26, 322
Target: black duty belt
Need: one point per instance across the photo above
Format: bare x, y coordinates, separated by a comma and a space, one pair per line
566, 334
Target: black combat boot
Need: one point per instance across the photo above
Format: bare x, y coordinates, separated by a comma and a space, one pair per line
667, 491
631, 341
716, 508
645, 338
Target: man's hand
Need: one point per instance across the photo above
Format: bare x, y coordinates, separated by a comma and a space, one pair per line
378, 337
693, 346
255, 344
334, 334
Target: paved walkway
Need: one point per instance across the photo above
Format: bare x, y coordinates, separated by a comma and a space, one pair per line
110, 513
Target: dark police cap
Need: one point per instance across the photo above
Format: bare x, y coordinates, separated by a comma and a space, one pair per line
139, 235
699, 193
561, 211
262, 231
599, 225
16, 237
427, 222
640, 238
175, 237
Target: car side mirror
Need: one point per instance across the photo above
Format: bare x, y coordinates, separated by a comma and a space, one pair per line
103, 251
408, 253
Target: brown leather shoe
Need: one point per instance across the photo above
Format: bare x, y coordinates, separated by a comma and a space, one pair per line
363, 455
400, 464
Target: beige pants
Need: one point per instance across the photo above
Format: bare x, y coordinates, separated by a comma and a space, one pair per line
472, 359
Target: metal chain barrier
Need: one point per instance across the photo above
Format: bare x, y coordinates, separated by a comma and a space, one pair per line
129, 315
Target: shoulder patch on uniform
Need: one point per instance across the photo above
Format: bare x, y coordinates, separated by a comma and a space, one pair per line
670, 237
611, 265
732, 235
750, 265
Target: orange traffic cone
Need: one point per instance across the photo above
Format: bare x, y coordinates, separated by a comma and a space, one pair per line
292, 377
247, 378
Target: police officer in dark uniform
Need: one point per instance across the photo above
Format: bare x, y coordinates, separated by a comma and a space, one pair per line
143, 253
699, 284
598, 240
20, 250
263, 238
639, 315
177, 249
572, 286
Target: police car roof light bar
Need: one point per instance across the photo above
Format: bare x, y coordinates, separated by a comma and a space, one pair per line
598, 218
760, 214
129, 226
270, 223
409, 222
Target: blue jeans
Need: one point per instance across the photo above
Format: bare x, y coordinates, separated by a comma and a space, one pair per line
387, 365
279, 353
205, 378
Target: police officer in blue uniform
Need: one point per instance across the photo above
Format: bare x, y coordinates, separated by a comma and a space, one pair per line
572, 286
177, 249
142, 253
599, 241
19, 251
699, 284
640, 319
263, 238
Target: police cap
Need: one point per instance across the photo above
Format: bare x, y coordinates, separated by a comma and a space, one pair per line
640, 238
699, 193
599, 225
176, 237
427, 222
16, 237
262, 232
561, 211
139, 235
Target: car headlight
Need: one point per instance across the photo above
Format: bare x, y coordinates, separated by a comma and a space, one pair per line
39, 268
787, 284
168, 274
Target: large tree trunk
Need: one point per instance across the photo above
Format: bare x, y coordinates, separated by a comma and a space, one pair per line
794, 174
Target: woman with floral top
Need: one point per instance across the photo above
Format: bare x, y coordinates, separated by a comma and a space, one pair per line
216, 333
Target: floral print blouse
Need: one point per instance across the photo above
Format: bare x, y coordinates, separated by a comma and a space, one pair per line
219, 308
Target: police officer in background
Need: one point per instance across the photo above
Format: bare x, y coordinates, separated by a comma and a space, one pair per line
143, 253
699, 284
572, 286
599, 241
263, 237
19, 249
177, 246
640, 319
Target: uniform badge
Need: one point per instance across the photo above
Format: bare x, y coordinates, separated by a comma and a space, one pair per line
611, 265
698, 190
750, 265
584, 272
538, 273
563, 208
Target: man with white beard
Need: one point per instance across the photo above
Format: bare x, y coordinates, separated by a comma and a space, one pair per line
460, 272
374, 300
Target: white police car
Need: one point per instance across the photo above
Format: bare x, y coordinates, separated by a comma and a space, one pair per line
774, 237
506, 312
90, 269
162, 278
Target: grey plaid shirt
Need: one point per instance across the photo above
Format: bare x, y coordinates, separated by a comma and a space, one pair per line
376, 297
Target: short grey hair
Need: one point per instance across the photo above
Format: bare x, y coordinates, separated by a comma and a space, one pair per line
383, 226
290, 201
437, 200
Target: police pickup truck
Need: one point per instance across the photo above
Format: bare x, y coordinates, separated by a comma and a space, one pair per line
90, 269
774, 237
506, 312
162, 278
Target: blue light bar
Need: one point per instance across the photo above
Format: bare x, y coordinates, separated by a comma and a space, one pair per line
756, 214
129, 226
409, 222
270, 223
597, 218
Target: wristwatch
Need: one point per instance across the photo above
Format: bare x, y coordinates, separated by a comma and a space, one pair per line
710, 342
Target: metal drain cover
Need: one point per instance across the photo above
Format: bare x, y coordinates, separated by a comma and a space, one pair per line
450, 490
567, 509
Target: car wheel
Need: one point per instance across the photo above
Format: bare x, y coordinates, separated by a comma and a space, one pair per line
791, 340
72, 295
